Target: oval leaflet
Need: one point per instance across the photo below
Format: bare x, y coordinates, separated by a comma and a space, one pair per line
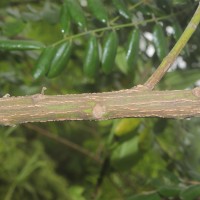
65, 20
44, 61
76, 12
20, 45
122, 8
160, 41
132, 49
60, 59
109, 52
98, 10
91, 58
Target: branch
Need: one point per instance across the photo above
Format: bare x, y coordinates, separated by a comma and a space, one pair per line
136, 102
170, 58
100, 106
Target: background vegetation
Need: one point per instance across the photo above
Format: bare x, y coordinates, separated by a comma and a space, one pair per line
116, 159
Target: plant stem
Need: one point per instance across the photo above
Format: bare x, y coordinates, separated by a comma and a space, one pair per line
100, 106
114, 27
170, 58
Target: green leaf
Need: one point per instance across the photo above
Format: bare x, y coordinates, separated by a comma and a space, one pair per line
98, 10
125, 126
13, 28
76, 12
60, 59
181, 79
91, 62
109, 52
177, 30
65, 20
169, 191
165, 5
179, 2
121, 61
191, 193
20, 45
151, 196
132, 49
160, 41
76, 193
32, 164
44, 62
122, 8
125, 154
145, 139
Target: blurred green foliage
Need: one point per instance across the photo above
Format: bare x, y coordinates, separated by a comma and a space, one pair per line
125, 159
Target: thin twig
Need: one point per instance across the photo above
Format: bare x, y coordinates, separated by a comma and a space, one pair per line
170, 58
63, 141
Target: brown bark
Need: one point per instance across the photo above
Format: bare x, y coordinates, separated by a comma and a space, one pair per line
134, 102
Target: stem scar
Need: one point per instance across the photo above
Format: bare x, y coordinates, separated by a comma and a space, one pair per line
196, 91
98, 111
